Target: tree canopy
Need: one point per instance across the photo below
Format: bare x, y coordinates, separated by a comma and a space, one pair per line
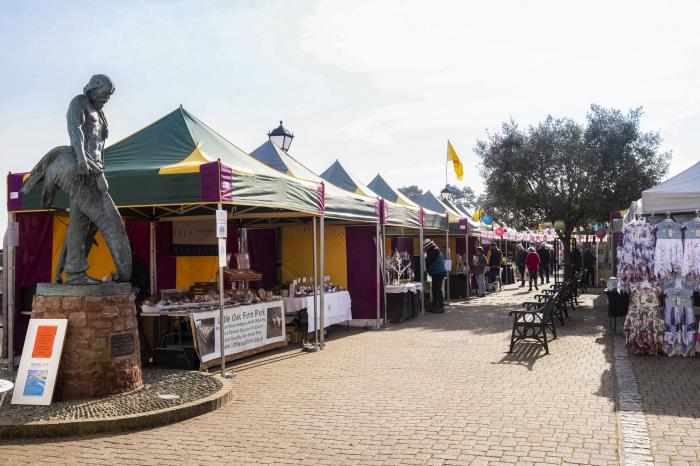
413, 192
560, 169
464, 196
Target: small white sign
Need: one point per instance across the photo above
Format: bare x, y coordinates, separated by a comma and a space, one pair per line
13, 234
14, 195
222, 253
221, 224
38, 367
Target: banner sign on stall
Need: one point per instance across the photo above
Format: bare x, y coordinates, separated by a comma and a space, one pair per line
38, 367
245, 327
196, 232
221, 224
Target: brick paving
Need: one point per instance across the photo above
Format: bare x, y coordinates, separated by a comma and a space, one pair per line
439, 389
670, 391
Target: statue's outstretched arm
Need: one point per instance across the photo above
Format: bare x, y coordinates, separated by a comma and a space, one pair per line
76, 118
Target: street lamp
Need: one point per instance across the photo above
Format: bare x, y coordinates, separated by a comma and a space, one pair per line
281, 137
446, 194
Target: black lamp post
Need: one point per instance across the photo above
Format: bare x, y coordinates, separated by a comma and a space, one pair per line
446, 194
281, 137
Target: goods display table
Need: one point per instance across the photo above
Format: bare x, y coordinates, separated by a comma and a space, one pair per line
337, 308
403, 301
248, 329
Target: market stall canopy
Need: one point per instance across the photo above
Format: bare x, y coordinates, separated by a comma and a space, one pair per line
338, 203
380, 186
391, 213
634, 210
400, 209
680, 193
474, 226
342, 178
179, 160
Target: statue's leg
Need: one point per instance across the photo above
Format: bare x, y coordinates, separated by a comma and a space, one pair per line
76, 263
89, 241
100, 208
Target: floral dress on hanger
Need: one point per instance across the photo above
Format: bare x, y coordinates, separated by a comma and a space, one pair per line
636, 257
679, 337
644, 326
690, 270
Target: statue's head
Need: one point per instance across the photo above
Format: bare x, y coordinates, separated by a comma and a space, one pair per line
99, 89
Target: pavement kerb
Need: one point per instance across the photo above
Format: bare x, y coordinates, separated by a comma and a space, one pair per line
52, 429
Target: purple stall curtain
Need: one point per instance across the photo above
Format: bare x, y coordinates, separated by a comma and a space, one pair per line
165, 263
139, 232
362, 270
262, 247
32, 266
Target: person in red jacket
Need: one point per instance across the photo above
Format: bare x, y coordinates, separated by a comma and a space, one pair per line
532, 262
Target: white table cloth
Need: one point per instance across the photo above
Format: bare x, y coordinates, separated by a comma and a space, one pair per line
337, 307
413, 287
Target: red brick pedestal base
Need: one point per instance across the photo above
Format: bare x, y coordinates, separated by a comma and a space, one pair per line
101, 354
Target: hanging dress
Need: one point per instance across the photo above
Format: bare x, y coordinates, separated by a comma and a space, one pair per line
668, 255
690, 270
636, 257
679, 318
644, 325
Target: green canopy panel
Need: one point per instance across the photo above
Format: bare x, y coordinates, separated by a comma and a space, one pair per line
338, 203
180, 160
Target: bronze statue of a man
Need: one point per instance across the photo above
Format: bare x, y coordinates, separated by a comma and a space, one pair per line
78, 170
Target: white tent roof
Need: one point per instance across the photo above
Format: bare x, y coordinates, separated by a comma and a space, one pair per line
678, 194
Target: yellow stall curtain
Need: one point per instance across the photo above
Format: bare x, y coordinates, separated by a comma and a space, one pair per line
100, 259
297, 259
191, 269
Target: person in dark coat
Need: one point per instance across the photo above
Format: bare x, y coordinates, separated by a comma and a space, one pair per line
588, 266
520, 255
545, 257
435, 265
576, 259
495, 258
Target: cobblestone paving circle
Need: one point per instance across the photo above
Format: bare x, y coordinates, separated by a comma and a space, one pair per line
188, 386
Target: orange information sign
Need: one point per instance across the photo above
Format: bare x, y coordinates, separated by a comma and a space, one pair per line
43, 343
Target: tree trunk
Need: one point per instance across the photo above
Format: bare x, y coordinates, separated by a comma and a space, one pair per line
565, 237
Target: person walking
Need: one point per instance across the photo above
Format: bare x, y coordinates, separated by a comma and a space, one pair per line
520, 255
545, 257
588, 266
435, 265
532, 261
480, 270
494, 259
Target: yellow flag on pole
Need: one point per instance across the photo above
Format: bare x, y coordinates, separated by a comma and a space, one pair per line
456, 163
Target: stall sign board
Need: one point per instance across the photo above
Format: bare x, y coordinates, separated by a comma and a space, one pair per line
221, 224
245, 327
195, 232
38, 367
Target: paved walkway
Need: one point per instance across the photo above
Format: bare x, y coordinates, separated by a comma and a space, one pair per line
439, 389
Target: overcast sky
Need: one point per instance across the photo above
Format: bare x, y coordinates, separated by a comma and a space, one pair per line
379, 85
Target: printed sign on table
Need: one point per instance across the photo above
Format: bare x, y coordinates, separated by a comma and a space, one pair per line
245, 327
38, 367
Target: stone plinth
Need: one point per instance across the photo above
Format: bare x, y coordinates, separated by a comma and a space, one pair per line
101, 354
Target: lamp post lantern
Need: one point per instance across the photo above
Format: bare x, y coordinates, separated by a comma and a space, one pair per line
281, 137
